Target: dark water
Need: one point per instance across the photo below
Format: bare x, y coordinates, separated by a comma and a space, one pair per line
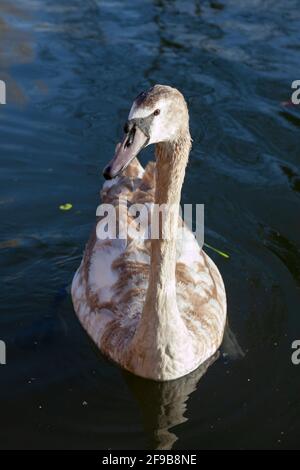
72, 69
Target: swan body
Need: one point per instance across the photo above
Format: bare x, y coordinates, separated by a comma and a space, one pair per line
157, 307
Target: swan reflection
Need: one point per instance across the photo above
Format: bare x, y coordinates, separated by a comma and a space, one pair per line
163, 404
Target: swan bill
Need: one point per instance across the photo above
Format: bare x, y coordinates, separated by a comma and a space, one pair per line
126, 151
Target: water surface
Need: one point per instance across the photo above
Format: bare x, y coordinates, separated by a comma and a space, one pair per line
72, 69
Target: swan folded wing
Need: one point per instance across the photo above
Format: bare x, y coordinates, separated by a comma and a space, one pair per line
201, 298
109, 286
115, 272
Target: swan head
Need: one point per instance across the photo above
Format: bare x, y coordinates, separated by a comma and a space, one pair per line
157, 115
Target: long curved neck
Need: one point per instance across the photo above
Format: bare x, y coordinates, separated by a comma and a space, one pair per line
171, 160
160, 342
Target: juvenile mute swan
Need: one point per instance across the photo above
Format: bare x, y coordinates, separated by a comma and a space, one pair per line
156, 307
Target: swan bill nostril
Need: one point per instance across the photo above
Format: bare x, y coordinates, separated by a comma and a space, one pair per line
130, 138
107, 172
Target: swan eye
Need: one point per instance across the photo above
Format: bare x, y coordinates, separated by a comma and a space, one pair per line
126, 128
156, 112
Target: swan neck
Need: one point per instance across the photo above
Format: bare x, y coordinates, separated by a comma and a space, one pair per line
171, 161
159, 343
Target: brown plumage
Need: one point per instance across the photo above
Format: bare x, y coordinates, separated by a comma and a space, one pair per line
156, 307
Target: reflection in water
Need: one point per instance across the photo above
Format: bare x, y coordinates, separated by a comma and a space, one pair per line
163, 404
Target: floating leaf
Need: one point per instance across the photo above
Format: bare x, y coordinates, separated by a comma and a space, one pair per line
221, 253
66, 207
